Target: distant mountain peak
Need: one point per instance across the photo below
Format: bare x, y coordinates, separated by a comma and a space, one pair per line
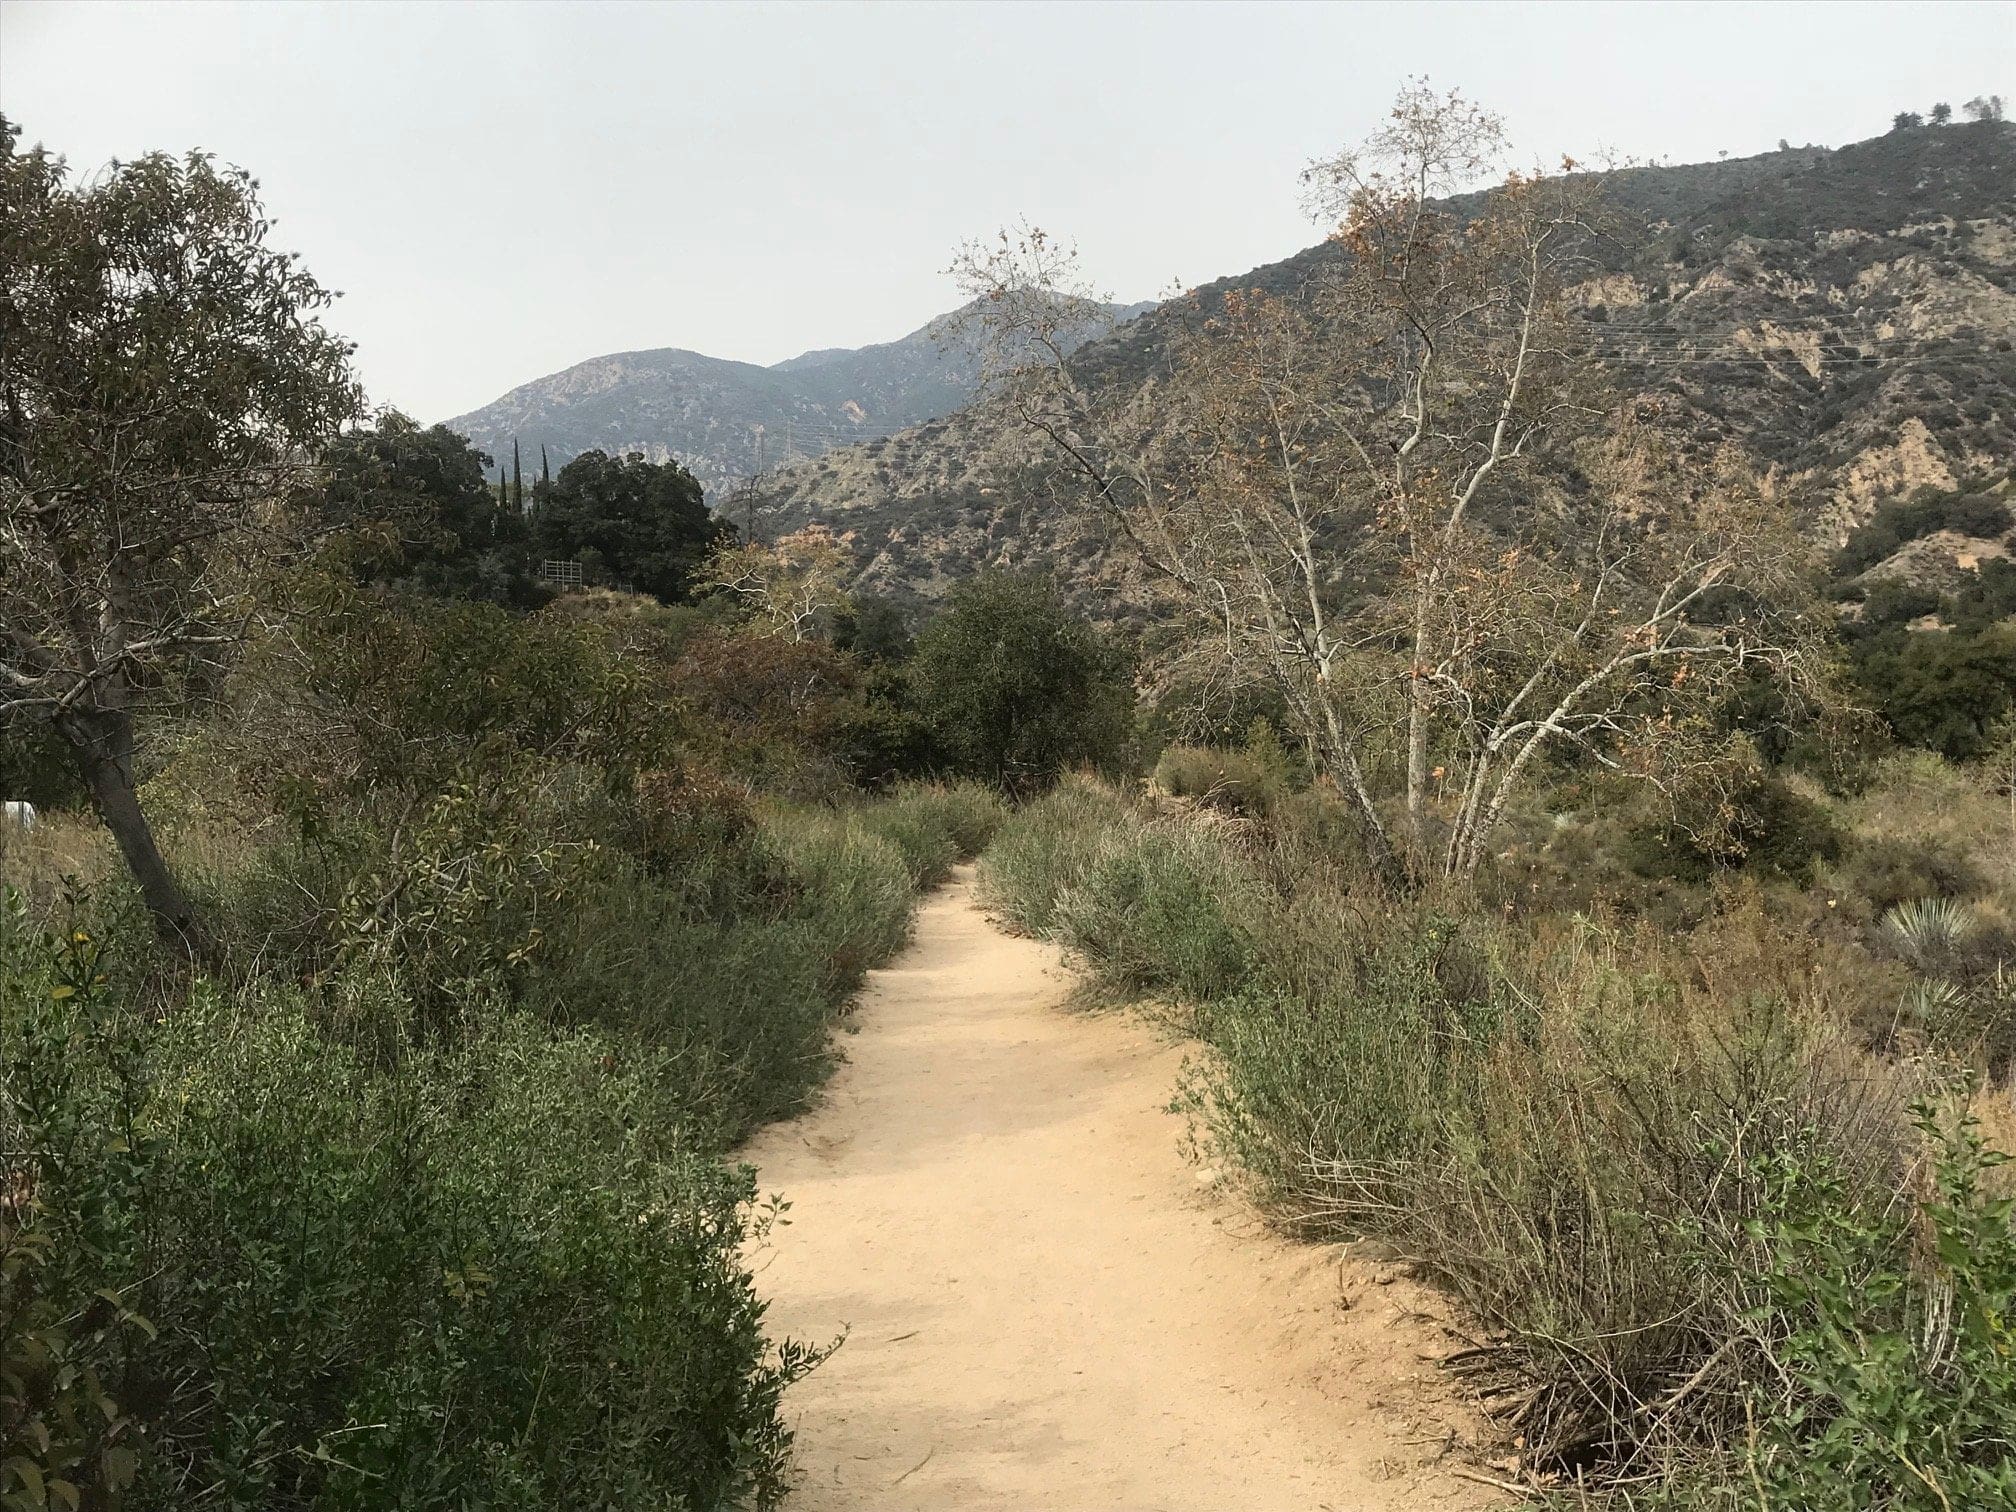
724, 419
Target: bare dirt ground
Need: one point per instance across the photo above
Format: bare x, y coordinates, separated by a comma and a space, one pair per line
1046, 1309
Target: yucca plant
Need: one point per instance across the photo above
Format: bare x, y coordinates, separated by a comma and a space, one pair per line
1928, 930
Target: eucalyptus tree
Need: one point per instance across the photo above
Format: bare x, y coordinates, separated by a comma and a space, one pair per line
165, 384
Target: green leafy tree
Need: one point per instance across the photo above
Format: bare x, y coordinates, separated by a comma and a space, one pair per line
1906, 120
164, 382
1943, 690
1941, 113
631, 521
420, 515
1017, 687
874, 629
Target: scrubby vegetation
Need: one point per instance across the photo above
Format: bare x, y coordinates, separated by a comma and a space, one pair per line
418, 1198
1606, 903
1931, 638
1715, 1197
368, 1110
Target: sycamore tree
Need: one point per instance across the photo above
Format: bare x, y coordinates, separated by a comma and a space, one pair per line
796, 587
1396, 493
164, 386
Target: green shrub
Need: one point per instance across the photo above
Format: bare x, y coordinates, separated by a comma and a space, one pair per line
741, 1005
737, 1011
969, 812
1894, 1338
1384, 1014
1154, 913
1558, 1119
490, 1274
1894, 869
1018, 688
700, 834
857, 891
1764, 822
423, 1205
912, 822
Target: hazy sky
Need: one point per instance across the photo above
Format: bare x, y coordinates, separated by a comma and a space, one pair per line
502, 189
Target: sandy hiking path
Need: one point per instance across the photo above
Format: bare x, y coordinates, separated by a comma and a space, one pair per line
1046, 1309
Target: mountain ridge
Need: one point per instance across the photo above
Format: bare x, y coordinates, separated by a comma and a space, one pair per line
1844, 316
723, 418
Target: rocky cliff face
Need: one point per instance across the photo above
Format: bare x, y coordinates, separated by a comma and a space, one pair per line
708, 413
1847, 317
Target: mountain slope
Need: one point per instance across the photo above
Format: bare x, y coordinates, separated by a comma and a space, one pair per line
1844, 316
708, 412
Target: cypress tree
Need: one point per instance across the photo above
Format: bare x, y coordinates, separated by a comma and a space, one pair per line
545, 472
517, 478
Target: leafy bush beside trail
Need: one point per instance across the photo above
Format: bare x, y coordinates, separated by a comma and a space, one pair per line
424, 1203
1666, 1175
293, 1277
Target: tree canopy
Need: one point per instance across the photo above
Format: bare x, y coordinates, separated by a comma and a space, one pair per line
421, 516
1019, 688
630, 521
164, 383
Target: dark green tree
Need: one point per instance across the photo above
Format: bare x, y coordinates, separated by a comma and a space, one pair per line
1017, 687
875, 630
630, 521
1941, 113
517, 479
1943, 690
164, 383
545, 471
1906, 120
419, 514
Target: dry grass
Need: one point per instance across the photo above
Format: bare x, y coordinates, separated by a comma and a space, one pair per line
60, 846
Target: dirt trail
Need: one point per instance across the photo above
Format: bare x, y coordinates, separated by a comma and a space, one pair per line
1047, 1310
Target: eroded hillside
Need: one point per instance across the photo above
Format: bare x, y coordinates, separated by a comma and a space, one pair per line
1846, 317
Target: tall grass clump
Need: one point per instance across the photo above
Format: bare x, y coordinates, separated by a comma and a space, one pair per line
864, 888
1158, 909
1049, 845
936, 824
1237, 781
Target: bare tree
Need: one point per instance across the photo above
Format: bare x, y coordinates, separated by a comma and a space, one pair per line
1396, 493
793, 586
163, 383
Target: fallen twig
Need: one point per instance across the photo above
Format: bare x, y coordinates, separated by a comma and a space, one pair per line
1463, 1473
